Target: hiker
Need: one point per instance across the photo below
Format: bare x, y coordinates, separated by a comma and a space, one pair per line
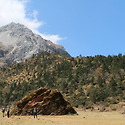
35, 112
3, 110
8, 112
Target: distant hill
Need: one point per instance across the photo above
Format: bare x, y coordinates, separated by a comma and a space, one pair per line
84, 81
18, 43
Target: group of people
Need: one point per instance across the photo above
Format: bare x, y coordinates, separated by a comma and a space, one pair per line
8, 112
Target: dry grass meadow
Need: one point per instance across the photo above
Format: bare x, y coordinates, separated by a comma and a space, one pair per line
84, 118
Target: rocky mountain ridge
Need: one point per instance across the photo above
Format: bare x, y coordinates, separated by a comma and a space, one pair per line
18, 43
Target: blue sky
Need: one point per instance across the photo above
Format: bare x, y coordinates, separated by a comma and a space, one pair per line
89, 27
86, 27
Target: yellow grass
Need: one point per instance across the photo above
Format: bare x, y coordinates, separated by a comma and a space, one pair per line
84, 118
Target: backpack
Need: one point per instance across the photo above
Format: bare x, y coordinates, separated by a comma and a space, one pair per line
35, 109
3, 110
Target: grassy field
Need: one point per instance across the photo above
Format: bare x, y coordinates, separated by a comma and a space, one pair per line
84, 118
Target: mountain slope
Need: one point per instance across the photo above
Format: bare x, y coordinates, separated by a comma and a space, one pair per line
84, 81
18, 43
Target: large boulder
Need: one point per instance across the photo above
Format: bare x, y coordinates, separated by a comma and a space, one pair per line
48, 102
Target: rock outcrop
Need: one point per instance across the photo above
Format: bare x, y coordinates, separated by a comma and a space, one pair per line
48, 102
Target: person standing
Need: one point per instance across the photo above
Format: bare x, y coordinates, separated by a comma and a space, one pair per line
8, 112
3, 110
35, 112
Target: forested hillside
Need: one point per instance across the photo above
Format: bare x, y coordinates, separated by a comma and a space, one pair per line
82, 80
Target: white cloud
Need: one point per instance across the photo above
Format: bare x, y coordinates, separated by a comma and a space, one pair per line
15, 11
53, 38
